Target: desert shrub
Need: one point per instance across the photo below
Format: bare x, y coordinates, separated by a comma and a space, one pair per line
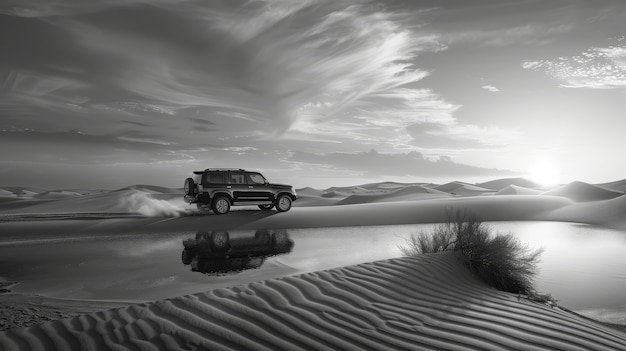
501, 260
426, 242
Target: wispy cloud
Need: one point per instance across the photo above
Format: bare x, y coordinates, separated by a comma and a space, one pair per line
527, 34
396, 164
260, 61
49, 8
230, 81
595, 68
490, 88
76, 147
455, 137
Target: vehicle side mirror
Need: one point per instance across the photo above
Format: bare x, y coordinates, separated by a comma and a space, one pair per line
266, 183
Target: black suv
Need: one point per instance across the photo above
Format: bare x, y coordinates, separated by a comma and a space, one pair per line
218, 189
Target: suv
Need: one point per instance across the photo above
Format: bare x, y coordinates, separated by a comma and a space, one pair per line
218, 189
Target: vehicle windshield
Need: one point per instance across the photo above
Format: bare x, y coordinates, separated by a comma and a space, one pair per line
256, 178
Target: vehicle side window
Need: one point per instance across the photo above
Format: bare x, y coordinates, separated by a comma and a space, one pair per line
237, 178
216, 178
255, 178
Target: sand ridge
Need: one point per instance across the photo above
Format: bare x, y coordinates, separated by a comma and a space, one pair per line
582, 192
429, 302
17, 203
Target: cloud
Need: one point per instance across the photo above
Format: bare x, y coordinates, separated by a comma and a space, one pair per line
192, 82
527, 34
386, 119
260, 62
48, 8
490, 88
455, 137
595, 68
397, 164
75, 147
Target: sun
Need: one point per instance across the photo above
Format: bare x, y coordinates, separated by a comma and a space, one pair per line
544, 173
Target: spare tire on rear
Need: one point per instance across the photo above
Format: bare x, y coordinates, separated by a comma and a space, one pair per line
190, 186
187, 256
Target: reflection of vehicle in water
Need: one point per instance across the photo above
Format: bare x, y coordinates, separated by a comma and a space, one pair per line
219, 251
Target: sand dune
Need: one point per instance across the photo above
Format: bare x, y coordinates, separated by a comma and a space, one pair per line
517, 190
388, 185
59, 194
312, 201
430, 302
500, 184
20, 190
369, 204
120, 201
308, 191
404, 193
463, 189
581, 192
152, 189
368, 193
489, 208
608, 213
619, 185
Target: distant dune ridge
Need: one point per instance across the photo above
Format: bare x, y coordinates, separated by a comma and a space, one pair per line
501, 199
619, 185
461, 188
579, 191
431, 302
518, 190
409, 192
499, 184
145, 200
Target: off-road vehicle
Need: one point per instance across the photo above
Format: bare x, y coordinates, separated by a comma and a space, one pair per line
219, 189
221, 252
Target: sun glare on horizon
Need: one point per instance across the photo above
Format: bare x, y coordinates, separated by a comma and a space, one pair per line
544, 173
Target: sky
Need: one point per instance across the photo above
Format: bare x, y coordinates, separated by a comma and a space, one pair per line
311, 93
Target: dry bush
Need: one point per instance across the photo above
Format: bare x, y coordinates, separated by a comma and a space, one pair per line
425, 242
500, 259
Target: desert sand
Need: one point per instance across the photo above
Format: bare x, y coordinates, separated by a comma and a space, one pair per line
428, 302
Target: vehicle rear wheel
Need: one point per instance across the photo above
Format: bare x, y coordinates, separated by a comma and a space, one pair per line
220, 241
266, 207
190, 186
221, 205
262, 236
283, 203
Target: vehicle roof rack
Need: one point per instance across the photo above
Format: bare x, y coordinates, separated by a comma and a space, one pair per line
224, 169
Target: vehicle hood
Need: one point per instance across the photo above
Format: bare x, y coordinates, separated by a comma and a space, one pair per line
280, 186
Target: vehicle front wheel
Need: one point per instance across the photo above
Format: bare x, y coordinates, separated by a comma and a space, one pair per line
221, 205
220, 241
280, 239
266, 207
283, 203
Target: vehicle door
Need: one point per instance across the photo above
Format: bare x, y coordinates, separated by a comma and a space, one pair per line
238, 186
258, 187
